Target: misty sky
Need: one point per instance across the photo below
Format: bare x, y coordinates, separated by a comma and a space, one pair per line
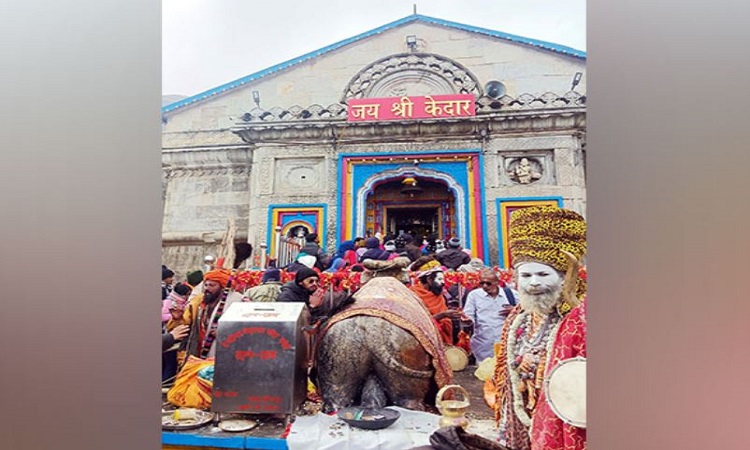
206, 43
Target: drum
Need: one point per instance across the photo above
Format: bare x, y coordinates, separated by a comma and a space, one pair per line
565, 389
457, 358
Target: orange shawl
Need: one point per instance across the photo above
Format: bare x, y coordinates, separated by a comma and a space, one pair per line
436, 304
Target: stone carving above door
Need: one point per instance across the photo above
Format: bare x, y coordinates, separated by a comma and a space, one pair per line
412, 74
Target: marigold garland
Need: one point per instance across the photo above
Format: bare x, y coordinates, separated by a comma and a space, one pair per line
349, 280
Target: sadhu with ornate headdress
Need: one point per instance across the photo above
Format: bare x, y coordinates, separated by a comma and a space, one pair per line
547, 328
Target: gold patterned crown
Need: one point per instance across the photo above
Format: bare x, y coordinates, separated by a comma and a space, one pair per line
541, 233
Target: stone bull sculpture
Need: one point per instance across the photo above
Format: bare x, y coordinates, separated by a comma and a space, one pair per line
382, 349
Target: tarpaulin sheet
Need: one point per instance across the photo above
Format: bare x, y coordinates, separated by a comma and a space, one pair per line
324, 432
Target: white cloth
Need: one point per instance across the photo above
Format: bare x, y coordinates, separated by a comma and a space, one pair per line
488, 324
324, 432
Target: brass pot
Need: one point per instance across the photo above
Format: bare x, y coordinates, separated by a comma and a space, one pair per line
453, 412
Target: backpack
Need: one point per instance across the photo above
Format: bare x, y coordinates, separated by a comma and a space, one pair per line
265, 293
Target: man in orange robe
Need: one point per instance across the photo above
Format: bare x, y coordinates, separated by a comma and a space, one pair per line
429, 288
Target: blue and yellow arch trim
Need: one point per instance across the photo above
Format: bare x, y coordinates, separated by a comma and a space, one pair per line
465, 166
505, 206
287, 217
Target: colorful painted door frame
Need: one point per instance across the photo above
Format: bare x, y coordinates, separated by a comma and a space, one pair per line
461, 170
313, 216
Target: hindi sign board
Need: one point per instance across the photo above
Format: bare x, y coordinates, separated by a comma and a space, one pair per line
405, 108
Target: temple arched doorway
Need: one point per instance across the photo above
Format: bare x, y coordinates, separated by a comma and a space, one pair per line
411, 204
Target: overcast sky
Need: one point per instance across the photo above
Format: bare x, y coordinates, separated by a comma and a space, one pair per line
206, 43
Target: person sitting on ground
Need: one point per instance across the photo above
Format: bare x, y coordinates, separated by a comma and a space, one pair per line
374, 251
453, 257
203, 312
269, 289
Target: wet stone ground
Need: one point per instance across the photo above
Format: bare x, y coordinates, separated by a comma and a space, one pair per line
478, 409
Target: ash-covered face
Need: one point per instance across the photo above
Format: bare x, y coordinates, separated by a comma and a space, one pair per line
539, 287
435, 283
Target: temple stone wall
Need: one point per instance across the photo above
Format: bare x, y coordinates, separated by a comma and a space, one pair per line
204, 188
184, 258
292, 175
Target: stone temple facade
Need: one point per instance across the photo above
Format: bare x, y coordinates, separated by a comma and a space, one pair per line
275, 149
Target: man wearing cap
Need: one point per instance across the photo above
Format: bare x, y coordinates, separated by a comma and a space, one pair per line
203, 312
453, 257
429, 289
304, 285
547, 327
269, 289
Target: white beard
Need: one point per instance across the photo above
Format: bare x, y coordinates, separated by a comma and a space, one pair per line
542, 303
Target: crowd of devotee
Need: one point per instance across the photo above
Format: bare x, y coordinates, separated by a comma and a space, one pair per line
520, 321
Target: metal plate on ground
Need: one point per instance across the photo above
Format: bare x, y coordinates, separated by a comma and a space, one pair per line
237, 425
369, 419
169, 422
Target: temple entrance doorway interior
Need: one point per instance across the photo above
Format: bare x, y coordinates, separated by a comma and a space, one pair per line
411, 204
416, 221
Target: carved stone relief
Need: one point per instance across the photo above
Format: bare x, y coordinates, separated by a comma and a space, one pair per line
412, 74
526, 168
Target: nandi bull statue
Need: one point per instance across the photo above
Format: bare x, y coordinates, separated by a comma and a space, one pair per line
382, 347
